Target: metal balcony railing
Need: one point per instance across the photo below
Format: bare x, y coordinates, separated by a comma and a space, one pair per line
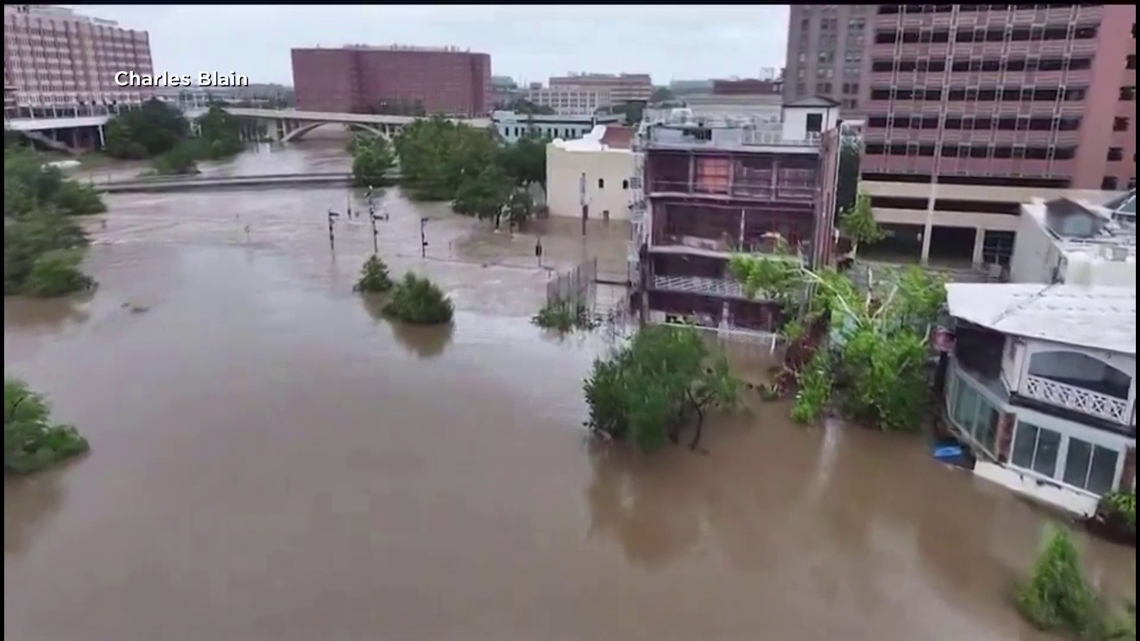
700, 285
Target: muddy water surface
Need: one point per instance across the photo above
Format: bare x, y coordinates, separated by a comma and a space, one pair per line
273, 461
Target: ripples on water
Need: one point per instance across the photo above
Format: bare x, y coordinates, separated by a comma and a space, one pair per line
273, 460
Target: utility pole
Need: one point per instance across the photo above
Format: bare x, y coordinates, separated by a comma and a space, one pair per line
332, 235
423, 237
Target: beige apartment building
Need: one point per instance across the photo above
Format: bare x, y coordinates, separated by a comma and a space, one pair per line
612, 88
54, 57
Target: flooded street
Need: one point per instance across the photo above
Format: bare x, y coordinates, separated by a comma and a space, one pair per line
271, 460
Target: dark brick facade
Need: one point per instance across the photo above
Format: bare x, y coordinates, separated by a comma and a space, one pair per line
357, 79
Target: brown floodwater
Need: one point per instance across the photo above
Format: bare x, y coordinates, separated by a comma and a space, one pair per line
271, 460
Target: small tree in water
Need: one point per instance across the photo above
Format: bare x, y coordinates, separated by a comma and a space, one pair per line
418, 301
373, 277
1057, 596
31, 441
650, 389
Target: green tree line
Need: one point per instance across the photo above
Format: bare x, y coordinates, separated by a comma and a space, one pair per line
161, 132
43, 244
446, 161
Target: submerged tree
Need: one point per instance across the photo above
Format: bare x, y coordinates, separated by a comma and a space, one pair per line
373, 277
878, 337
152, 129
419, 301
1057, 597
372, 160
43, 246
650, 389
31, 441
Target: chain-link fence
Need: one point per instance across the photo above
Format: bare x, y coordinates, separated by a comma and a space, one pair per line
576, 286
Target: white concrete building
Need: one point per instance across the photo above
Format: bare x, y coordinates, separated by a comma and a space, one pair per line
512, 126
1076, 242
1042, 385
591, 176
567, 101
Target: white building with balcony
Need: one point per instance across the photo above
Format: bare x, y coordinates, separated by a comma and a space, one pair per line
1077, 242
1042, 385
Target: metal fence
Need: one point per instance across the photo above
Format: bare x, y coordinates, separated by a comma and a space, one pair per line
576, 286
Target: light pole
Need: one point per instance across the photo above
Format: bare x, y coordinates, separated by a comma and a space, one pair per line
332, 235
423, 237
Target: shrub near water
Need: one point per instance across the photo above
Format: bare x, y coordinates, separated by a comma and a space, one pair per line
31, 441
418, 301
1058, 598
373, 277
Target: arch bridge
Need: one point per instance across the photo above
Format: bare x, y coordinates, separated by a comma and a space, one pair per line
290, 124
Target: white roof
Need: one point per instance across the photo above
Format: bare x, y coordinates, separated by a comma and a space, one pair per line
1096, 317
589, 142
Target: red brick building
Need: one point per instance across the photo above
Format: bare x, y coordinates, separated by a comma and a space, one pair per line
359, 79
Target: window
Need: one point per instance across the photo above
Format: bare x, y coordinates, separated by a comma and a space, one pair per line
1128, 93
625, 184
1108, 184
1036, 449
1120, 124
1090, 467
601, 183
1115, 153
815, 123
1130, 62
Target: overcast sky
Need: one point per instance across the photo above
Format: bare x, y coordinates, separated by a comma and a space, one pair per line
528, 43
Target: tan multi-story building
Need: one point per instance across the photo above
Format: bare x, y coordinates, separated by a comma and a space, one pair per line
567, 101
54, 57
826, 53
612, 89
972, 110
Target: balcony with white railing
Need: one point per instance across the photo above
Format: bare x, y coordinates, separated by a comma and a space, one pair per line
1078, 399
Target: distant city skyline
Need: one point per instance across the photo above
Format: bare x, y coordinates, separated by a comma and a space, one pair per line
527, 43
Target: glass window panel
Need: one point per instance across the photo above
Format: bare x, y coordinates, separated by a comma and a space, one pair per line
1024, 442
1103, 471
1077, 462
1048, 446
966, 408
987, 424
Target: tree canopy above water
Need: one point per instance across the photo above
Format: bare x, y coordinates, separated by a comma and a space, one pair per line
43, 246
444, 160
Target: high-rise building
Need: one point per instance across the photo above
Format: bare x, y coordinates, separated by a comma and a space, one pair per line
975, 109
365, 79
826, 51
705, 188
56, 57
612, 89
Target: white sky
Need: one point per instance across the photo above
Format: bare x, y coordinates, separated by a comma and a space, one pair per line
527, 42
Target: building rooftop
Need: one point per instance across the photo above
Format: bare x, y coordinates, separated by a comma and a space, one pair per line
1095, 317
511, 116
601, 138
1080, 227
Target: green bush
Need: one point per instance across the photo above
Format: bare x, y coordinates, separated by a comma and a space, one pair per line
31, 441
373, 277
418, 301
564, 317
179, 161
1118, 511
1058, 598
42, 243
55, 273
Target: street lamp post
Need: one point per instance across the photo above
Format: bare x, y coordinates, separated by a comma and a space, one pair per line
423, 237
332, 234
